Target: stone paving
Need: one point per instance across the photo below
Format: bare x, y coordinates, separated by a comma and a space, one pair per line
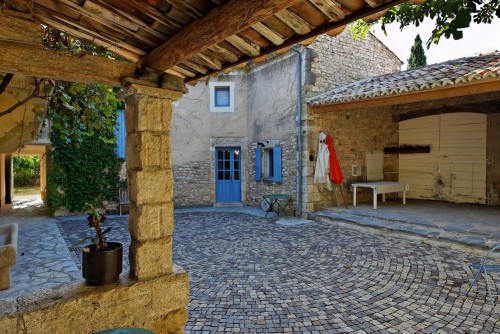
43, 259
250, 274
468, 224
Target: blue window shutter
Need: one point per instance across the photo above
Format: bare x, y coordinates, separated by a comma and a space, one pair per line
120, 134
258, 163
277, 164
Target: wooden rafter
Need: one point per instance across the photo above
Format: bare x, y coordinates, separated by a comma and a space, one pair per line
330, 8
221, 23
299, 25
36, 61
314, 32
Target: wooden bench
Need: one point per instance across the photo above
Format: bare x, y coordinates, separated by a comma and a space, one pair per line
8, 252
123, 199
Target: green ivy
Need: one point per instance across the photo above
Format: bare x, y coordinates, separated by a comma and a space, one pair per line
83, 172
85, 166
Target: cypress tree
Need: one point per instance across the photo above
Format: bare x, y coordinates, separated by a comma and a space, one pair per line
417, 54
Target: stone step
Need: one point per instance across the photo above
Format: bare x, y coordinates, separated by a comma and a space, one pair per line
424, 231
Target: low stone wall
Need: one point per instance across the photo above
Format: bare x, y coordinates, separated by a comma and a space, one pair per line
158, 304
192, 184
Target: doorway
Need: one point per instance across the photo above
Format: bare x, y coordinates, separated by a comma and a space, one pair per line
228, 175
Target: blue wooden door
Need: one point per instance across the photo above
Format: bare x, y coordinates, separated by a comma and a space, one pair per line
228, 174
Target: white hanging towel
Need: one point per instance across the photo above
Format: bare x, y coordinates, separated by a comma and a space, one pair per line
322, 171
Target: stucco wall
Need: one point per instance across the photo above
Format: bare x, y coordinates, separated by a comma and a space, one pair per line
271, 116
355, 133
493, 159
339, 60
193, 126
266, 109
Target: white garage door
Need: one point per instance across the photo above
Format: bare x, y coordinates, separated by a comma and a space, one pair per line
455, 170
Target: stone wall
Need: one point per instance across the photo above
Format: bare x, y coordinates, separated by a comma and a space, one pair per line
266, 109
257, 189
157, 304
339, 60
192, 184
355, 133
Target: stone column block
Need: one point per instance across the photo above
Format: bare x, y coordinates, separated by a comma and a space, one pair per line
147, 113
143, 223
148, 187
148, 150
150, 259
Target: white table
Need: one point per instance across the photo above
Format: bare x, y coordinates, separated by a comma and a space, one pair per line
382, 187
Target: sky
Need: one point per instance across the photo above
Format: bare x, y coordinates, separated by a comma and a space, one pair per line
478, 38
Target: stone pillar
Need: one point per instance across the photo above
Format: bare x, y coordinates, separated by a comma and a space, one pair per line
43, 175
151, 221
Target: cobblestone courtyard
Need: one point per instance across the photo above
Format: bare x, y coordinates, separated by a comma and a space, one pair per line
251, 275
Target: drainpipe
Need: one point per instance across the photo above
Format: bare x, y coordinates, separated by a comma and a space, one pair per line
299, 131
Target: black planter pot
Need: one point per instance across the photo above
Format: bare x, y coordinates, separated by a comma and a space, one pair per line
101, 268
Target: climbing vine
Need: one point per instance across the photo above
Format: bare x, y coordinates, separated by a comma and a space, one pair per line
84, 166
84, 171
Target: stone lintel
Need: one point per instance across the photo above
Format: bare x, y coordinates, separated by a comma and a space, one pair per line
143, 222
151, 258
158, 304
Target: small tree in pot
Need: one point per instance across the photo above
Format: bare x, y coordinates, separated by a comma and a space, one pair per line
101, 260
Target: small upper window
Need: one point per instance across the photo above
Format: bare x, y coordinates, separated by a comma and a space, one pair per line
221, 96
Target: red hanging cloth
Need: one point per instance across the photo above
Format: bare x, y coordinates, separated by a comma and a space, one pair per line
335, 171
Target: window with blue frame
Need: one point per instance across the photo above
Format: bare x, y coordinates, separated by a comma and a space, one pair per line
268, 164
120, 134
221, 96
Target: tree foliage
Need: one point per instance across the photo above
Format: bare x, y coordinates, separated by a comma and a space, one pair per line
450, 17
80, 110
26, 171
417, 54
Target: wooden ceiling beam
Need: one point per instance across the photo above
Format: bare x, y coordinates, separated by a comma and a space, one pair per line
194, 66
330, 8
35, 61
316, 31
221, 23
268, 33
17, 29
22, 8
244, 46
298, 24
225, 53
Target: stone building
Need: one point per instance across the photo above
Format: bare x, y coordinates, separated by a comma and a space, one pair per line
452, 107
247, 147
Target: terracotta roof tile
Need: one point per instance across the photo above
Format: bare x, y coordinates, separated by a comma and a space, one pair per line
453, 72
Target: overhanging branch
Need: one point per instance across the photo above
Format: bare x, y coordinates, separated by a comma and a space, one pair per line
5, 82
20, 103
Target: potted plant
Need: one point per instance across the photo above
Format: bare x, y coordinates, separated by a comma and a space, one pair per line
101, 260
